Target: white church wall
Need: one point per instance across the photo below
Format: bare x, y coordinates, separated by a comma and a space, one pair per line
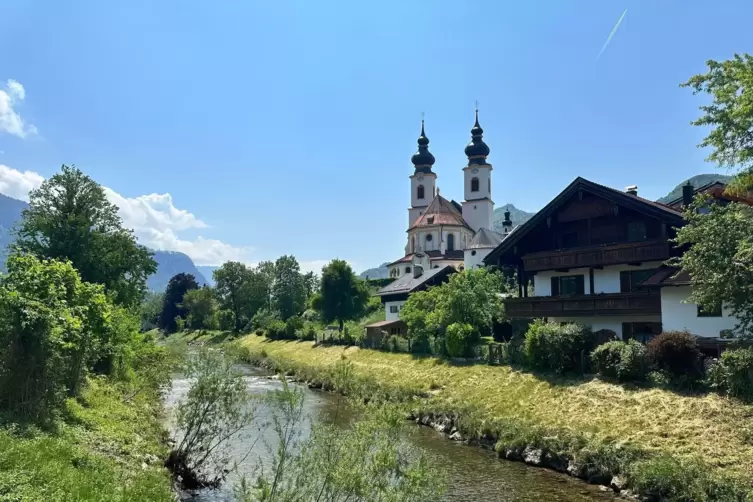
474, 258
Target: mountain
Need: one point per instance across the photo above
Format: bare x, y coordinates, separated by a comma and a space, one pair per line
518, 216
697, 181
169, 263
379, 272
206, 271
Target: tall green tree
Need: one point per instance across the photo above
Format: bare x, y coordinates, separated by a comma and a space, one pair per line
232, 281
172, 305
342, 296
70, 218
289, 288
729, 116
150, 310
719, 258
200, 306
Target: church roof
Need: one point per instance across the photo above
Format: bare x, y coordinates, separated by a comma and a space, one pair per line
434, 255
485, 239
440, 212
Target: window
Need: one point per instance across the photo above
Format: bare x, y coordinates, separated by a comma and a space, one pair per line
490, 186
450, 242
714, 312
429, 238
407, 270
396, 331
640, 331
630, 280
636, 231
393, 309
474, 184
473, 253
568, 285
420, 192
570, 240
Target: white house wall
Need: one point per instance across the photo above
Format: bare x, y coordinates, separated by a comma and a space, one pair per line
612, 323
393, 316
677, 315
606, 280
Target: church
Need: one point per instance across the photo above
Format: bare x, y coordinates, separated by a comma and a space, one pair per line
445, 233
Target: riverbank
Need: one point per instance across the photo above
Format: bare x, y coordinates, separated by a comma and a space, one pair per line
655, 442
105, 448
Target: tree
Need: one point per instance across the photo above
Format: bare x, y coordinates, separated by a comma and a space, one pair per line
200, 306
342, 295
288, 289
719, 258
70, 218
231, 282
172, 307
54, 328
730, 114
151, 307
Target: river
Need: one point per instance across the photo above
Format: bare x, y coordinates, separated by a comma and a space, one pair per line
472, 474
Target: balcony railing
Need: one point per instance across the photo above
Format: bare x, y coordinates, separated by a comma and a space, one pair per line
597, 256
645, 303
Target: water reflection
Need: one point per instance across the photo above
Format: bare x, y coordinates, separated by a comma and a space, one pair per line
472, 474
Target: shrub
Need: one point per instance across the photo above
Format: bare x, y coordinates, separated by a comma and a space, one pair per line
225, 319
459, 338
292, 326
259, 332
513, 352
733, 373
558, 348
420, 344
276, 330
621, 360
676, 353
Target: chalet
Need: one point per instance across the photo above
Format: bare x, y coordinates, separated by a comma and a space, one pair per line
596, 255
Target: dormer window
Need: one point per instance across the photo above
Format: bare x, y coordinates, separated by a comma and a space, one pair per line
430, 220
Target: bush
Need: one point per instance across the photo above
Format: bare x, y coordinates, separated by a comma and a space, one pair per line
292, 326
459, 338
420, 344
225, 320
733, 373
676, 353
513, 352
558, 348
624, 361
276, 330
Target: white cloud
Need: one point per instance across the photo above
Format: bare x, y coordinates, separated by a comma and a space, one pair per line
10, 121
316, 266
154, 219
18, 184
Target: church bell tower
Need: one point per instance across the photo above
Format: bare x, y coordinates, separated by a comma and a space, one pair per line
478, 207
423, 180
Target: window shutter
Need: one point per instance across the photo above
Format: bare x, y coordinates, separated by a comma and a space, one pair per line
581, 287
624, 282
555, 286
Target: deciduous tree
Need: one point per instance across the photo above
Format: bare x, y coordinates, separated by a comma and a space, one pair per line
70, 218
342, 297
200, 306
289, 288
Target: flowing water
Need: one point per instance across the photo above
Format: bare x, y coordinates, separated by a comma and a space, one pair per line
472, 474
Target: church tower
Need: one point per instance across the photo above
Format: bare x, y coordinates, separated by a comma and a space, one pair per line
478, 206
422, 181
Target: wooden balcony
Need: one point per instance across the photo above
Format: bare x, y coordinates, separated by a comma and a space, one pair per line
637, 303
597, 256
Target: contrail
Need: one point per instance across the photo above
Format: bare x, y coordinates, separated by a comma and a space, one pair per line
609, 38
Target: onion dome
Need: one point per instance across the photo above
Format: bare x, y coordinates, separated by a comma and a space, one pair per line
423, 159
477, 150
507, 222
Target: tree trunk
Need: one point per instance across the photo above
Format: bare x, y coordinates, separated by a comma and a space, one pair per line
341, 325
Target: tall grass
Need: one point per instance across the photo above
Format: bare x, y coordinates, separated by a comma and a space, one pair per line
603, 427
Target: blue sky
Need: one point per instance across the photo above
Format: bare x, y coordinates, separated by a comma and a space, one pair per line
287, 127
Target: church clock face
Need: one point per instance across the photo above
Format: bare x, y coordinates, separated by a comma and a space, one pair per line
474, 170
420, 177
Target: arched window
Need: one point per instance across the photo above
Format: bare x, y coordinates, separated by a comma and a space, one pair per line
474, 184
407, 270
490, 186
420, 192
450, 242
413, 244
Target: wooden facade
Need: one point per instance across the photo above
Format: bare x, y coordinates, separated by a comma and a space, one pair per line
597, 256
612, 304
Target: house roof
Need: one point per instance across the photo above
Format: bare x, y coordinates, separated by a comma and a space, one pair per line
667, 276
440, 212
456, 254
650, 208
677, 203
408, 283
485, 239
384, 324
